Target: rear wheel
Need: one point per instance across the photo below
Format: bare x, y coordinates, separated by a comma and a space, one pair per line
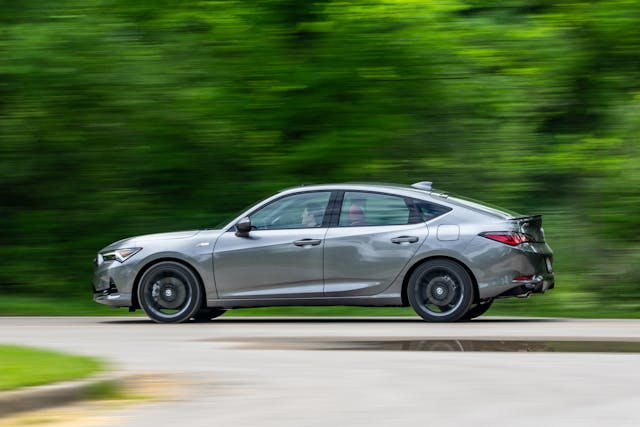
477, 310
440, 291
169, 292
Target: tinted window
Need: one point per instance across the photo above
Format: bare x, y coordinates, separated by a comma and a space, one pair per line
361, 209
304, 210
428, 211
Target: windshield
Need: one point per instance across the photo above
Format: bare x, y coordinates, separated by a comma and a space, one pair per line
229, 217
227, 220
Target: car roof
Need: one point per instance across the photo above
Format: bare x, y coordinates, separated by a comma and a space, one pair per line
382, 187
436, 196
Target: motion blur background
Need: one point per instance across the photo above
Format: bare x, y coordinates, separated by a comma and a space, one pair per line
121, 118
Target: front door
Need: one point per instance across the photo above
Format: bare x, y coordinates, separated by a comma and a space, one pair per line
282, 257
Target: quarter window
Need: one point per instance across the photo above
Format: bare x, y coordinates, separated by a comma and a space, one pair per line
305, 210
428, 211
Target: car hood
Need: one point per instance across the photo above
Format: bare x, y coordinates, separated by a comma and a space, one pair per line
167, 236
141, 240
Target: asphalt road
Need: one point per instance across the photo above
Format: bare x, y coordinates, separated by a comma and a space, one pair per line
296, 372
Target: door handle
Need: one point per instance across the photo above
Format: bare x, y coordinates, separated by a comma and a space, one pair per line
307, 242
404, 239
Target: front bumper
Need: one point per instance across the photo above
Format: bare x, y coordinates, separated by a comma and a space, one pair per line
113, 300
112, 283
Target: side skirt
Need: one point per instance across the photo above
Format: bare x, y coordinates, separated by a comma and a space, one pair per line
370, 301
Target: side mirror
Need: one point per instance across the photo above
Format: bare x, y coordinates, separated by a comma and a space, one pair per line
243, 227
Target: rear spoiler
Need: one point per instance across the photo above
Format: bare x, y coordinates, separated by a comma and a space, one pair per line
531, 225
533, 218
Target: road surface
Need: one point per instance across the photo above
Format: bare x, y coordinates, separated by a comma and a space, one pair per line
343, 372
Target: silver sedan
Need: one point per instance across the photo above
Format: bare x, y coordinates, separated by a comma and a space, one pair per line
347, 244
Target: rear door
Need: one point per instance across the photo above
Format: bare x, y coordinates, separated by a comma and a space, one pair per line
373, 237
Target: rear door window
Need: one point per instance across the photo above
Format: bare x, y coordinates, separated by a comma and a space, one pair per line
370, 209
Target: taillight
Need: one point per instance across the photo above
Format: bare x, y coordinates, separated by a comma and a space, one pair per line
511, 238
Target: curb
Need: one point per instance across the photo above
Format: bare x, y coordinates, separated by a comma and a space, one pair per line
44, 396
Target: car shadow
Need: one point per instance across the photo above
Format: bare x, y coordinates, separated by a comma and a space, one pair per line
249, 320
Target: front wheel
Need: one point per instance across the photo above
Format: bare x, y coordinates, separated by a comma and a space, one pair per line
440, 291
169, 292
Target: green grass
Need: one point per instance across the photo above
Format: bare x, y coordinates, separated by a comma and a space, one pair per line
23, 366
569, 299
27, 305
556, 303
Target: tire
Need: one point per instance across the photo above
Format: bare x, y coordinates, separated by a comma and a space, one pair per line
477, 310
440, 291
169, 292
206, 314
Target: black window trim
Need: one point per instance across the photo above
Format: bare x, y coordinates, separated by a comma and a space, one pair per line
332, 213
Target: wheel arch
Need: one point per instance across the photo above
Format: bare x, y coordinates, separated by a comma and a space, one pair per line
134, 290
407, 276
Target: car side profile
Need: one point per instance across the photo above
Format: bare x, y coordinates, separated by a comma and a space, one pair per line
339, 244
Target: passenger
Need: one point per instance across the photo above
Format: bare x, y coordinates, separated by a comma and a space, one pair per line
356, 213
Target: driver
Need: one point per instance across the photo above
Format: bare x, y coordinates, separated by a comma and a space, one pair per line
312, 215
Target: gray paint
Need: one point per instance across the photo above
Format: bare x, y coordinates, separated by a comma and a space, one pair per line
350, 265
448, 232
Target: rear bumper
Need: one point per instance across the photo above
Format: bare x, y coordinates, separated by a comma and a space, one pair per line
538, 284
502, 271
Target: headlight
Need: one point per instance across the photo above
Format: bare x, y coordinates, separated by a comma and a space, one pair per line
120, 255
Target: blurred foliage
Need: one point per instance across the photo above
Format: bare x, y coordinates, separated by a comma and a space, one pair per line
120, 118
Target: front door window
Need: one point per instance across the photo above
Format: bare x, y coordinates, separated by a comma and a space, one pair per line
304, 210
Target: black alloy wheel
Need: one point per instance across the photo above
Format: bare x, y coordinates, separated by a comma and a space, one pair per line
209, 313
440, 291
477, 310
169, 292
